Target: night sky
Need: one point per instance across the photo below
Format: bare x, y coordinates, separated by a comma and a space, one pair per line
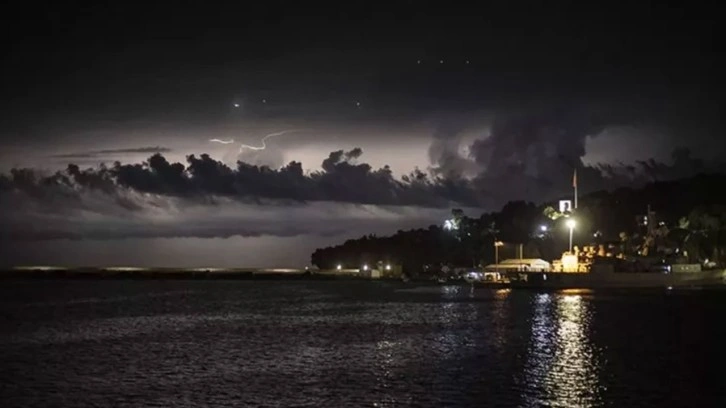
468, 105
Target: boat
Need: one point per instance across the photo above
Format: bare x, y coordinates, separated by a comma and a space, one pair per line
474, 276
573, 272
605, 278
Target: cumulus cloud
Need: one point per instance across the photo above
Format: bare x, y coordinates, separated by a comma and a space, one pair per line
206, 198
343, 179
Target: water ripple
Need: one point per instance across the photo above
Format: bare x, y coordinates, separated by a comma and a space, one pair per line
350, 344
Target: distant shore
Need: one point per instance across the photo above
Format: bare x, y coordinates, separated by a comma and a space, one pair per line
253, 274
260, 274
173, 273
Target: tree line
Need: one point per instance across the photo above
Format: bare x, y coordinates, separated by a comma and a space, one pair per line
688, 223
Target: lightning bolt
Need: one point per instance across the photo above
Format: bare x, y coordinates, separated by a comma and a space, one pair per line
222, 141
264, 139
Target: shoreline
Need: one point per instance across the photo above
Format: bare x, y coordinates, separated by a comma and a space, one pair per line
249, 274
165, 273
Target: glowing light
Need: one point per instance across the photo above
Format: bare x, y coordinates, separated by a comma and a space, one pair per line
39, 268
543, 228
339, 267
502, 293
388, 267
569, 263
418, 61
450, 225
365, 267
576, 291
441, 61
264, 101
230, 141
357, 104
498, 243
126, 269
236, 105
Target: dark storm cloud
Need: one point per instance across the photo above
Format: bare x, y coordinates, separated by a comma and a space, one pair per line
532, 159
206, 198
343, 179
532, 155
111, 152
444, 152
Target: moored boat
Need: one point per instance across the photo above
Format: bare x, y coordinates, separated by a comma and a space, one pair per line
612, 279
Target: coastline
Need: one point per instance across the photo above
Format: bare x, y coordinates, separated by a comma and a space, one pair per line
166, 273
555, 281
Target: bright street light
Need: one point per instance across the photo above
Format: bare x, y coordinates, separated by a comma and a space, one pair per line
543, 228
339, 267
497, 244
365, 267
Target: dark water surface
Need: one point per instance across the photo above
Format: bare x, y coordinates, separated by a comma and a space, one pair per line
348, 344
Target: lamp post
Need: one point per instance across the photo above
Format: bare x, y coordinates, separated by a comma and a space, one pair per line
571, 225
497, 244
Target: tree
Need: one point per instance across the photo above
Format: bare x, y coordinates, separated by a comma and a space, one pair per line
551, 213
709, 224
701, 234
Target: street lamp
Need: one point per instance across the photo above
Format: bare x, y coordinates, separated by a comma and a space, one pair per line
497, 244
571, 225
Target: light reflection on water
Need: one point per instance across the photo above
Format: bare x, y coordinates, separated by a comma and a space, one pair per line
187, 344
560, 359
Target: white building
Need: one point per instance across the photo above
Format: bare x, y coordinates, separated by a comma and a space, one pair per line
522, 265
370, 273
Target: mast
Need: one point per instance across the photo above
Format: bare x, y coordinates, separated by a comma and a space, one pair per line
574, 186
